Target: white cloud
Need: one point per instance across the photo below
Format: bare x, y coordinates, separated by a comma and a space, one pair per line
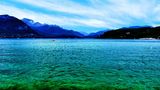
99, 13
49, 19
62, 6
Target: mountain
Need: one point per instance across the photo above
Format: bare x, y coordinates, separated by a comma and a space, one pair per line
84, 33
11, 27
51, 31
96, 34
133, 33
134, 27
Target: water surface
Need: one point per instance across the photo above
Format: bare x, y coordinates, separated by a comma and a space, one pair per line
85, 64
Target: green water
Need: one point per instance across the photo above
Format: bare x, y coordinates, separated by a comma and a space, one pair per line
79, 64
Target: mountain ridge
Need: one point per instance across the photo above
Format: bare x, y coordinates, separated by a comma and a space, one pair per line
11, 27
52, 31
133, 33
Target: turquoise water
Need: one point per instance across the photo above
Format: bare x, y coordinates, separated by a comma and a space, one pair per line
79, 64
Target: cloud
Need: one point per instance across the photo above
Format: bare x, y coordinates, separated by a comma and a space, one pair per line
49, 19
62, 6
96, 13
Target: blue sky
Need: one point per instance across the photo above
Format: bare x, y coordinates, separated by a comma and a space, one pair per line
86, 15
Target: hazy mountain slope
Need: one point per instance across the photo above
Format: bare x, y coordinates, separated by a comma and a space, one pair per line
52, 31
96, 34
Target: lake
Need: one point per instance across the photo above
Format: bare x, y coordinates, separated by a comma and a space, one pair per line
79, 64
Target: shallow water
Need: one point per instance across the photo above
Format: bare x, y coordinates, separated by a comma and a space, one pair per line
79, 64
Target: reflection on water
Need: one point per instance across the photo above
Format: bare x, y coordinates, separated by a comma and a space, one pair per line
62, 64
